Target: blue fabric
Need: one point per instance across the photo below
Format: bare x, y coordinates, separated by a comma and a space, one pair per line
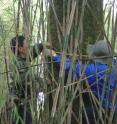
101, 83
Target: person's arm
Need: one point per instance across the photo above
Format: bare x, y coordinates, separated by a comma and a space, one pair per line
40, 47
57, 60
36, 50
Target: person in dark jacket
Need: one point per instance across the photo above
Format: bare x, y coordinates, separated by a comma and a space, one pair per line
99, 76
23, 82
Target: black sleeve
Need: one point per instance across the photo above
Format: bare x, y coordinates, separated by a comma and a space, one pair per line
36, 50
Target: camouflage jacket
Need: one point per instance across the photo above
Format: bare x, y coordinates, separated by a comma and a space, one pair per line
23, 80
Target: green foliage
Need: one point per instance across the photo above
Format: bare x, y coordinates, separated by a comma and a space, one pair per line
69, 25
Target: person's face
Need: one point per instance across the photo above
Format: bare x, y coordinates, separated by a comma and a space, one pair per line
23, 51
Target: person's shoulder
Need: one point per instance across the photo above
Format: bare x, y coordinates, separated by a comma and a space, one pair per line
56, 57
96, 67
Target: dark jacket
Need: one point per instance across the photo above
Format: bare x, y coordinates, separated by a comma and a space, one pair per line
23, 80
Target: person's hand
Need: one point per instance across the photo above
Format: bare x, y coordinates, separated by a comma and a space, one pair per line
50, 52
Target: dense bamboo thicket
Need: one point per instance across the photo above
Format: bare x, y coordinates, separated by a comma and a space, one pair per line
69, 26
